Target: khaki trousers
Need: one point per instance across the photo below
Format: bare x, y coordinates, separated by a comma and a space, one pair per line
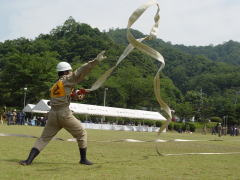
58, 119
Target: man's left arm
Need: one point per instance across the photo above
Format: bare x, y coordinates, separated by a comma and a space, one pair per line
80, 73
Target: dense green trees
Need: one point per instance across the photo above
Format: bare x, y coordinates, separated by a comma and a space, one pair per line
200, 82
228, 52
24, 70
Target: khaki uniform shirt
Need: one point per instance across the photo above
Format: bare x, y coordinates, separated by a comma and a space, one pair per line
61, 90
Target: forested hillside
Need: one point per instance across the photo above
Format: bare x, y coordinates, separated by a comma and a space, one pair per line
193, 83
228, 52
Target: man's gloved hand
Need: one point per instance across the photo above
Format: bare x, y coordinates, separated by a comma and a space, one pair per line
79, 94
101, 56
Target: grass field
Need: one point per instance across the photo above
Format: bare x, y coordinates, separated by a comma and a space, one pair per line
119, 160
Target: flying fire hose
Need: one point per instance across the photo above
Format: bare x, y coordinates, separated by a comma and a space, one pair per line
137, 43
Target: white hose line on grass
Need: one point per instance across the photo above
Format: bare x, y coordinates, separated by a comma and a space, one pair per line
120, 140
26, 136
184, 154
18, 135
156, 140
134, 141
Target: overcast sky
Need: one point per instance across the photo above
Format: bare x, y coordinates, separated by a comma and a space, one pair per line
188, 22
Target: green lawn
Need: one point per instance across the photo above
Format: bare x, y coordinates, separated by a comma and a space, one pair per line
119, 160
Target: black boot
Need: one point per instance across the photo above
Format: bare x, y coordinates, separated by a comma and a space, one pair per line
83, 152
34, 152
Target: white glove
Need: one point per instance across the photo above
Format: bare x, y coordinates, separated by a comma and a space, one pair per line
101, 56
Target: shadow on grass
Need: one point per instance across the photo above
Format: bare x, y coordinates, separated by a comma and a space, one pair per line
36, 162
113, 162
10, 160
141, 158
96, 164
59, 163
50, 166
49, 163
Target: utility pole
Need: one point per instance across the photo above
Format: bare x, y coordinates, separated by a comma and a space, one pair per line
104, 97
24, 99
200, 112
104, 102
235, 104
201, 103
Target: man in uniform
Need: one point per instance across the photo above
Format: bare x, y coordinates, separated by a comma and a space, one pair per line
60, 116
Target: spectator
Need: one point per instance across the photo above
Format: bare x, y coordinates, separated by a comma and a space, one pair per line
214, 130
237, 131
4, 114
231, 131
9, 118
219, 130
1, 118
21, 118
18, 118
14, 116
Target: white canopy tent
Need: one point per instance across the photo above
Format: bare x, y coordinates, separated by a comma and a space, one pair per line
28, 108
43, 107
114, 112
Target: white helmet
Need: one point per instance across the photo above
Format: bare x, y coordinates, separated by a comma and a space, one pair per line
63, 66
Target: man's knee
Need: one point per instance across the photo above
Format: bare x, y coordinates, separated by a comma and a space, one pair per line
82, 139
